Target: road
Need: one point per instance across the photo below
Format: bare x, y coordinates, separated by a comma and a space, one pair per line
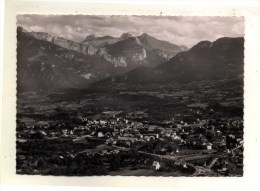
203, 171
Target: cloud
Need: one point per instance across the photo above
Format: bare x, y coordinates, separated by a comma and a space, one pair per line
177, 30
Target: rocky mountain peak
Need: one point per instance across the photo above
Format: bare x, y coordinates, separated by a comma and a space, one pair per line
144, 34
221, 59
126, 35
184, 48
201, 46
89, 38
103, 56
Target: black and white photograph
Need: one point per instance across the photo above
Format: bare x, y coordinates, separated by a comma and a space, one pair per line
107, 95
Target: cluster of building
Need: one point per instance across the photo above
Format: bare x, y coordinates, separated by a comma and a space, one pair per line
210, 143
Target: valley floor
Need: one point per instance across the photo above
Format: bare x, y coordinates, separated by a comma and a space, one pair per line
193, 129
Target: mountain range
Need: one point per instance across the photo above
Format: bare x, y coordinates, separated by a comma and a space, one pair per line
218, 60
45, 61
48, 62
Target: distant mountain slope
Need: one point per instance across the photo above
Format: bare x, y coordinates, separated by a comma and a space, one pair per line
221, 59
44, 65
46, 61
102, 46
151, 43
99, 41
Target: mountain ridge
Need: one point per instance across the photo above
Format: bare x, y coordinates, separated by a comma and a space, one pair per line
221, 59
93, 60
44, 60
93, 45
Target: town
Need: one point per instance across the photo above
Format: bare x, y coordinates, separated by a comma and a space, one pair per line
153, 130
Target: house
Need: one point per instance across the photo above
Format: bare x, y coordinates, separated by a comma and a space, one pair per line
147, 138
111, 114
115, 151
219, 141
102, 122
111, 141
153, 135
156, 165
151, 128
138, 135
100, 134
127, 139
209, 146
163, 151
64, 131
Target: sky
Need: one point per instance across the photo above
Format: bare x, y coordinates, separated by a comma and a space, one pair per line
179, 30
